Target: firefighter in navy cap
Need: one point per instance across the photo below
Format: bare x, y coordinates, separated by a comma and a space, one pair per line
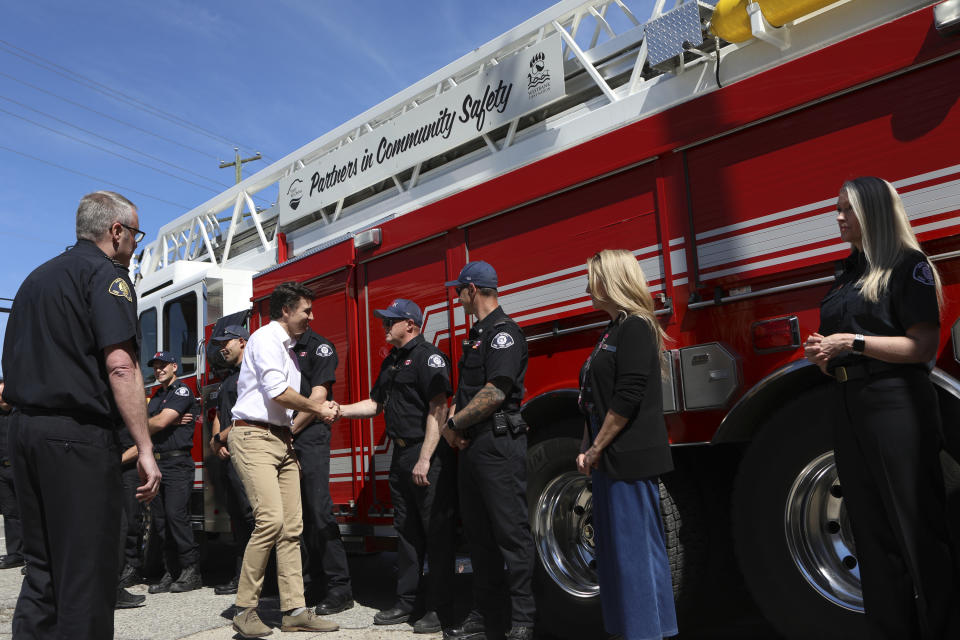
232, 342
485, 424
70, 355
325, 558
172, 441
412, 391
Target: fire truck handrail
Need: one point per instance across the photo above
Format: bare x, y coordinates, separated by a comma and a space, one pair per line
762, 292
583, 327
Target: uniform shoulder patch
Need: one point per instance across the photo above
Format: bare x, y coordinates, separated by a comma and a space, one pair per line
502, 340
436, 361
182, 391
324, 351
121, 289
923, 274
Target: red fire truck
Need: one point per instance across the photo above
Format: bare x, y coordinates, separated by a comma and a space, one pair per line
712, 143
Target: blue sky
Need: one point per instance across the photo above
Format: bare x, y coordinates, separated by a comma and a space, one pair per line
268, 76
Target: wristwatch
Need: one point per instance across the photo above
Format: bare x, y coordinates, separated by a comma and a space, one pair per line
858, 345
451, 424
217, 437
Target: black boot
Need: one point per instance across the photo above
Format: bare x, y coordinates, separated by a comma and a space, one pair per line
163, 586
335, 602
520, 633
188, 581
228, 588
127, 600
472, 628
130, 576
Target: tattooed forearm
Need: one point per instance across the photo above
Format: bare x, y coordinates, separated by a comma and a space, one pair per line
483, 405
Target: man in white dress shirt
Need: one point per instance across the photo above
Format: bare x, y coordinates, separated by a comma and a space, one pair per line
261, 447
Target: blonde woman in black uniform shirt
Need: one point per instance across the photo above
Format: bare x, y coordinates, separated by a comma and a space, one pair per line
879, 329
625, 448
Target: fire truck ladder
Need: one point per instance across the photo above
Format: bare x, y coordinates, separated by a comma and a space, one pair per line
610, 59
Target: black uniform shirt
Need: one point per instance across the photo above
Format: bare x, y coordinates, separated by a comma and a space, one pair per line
910, 298
65, 314
496, 348
317, 358
410, 377
226, 398
178, 397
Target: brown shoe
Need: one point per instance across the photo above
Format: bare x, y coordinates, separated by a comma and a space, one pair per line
249, 625
307, 621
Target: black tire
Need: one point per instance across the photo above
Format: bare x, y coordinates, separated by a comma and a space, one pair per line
566, 615
684, 532
795, 443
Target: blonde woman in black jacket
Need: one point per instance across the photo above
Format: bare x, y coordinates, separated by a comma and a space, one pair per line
625, 449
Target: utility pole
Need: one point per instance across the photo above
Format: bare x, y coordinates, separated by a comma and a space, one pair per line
238, 163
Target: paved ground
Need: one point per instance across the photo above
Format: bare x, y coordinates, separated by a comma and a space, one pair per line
202, 615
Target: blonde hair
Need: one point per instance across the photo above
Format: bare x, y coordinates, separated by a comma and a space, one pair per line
885, 233
614, 277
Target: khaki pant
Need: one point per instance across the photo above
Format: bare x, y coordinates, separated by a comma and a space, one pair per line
267, 466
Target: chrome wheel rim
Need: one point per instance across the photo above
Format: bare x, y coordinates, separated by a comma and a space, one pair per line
564, 534
819, 537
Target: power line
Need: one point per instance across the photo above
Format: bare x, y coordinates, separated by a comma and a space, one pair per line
108, 116
105, 150
119, 144
112, 93
101, 180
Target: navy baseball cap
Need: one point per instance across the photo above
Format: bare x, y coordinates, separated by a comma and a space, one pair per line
163, 356
230, 332
479, 273
401, 308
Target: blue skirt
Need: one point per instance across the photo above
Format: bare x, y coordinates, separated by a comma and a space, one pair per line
636, 591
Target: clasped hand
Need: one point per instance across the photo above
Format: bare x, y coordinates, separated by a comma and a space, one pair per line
820, 349
331, 412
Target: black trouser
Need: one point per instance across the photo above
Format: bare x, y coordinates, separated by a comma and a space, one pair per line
170, 511
888, 441
12, 528
241, 513
68, 491
132, 517
321, 534
423, 518
493, 505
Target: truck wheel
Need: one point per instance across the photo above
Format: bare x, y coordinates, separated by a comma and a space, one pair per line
791, 533
560, 502
561, 520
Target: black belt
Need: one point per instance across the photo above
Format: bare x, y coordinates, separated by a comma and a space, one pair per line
403, 443
257, 423
170, 454
867, 369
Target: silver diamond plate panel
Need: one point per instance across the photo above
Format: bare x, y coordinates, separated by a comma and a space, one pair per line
666, 34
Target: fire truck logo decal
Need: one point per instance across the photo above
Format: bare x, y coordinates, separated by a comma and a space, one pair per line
121, 289
324, 351
295, 192
182, 391
923, 274
436, 362
502, 340
538, 80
